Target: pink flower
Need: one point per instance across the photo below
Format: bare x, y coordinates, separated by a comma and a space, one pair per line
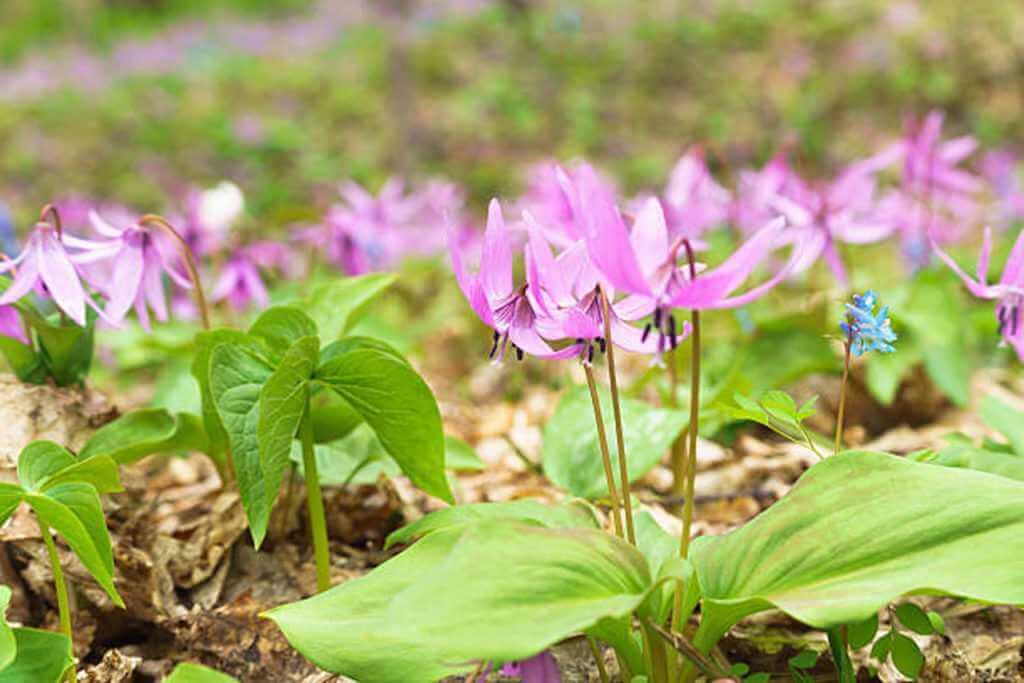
240, 283
540, 668
45, 263
1000, 168
1008, 293
693, 201
515, 317
10, 324
752, 207
138, 265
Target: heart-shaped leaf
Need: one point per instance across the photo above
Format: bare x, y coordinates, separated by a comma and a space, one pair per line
337, 305
860, 529
572, 458
39, 461
399, 407
139, 433
280, 327
451, 601
194, 673
205, 344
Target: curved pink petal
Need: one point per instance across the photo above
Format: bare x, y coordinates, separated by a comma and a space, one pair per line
978, 289
527, 339
649, 239
607, 237
60, 277
1013, 273
126, 281
153, 287
24, 280
496, 258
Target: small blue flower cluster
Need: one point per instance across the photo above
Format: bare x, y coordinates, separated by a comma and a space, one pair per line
864, 329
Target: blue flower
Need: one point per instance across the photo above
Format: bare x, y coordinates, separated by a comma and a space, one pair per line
866, 330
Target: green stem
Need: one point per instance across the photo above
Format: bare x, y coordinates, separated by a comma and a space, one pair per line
620, 439
679, 445
598, 659
315, 504
691, 462
63, 604
606, 458
842, 400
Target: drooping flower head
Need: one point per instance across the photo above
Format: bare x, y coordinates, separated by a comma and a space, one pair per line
541, 668
1008, 293
240, 283
139, 258
46, 264
866, 330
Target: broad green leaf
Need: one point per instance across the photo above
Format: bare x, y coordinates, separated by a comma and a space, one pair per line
280, 327
1005, 420
100, 472
862, 632
446, 602
399, 406
906, 655
237, 376
8, 646
139, 433
571, 515
973, 458
657, 547
460, 456
337, 305
950, 369
25, 363
205, 343
852, 536
194, 673
11, 496
42, 657
343, 346
40, 460
880, 650
74, 511
914, 618
571, 456
283, 401
333, 418
66, 350
805, 659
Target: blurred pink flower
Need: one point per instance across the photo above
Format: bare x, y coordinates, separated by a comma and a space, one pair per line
240, 283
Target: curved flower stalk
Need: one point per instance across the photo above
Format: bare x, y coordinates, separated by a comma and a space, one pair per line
138, 263
1008, 293
46, 264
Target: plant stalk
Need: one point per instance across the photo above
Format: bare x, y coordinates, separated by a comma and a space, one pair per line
186, 256
315, 505
63, 603
598, 659
620, 439
691, 455
679, 445
606, 458
842, 400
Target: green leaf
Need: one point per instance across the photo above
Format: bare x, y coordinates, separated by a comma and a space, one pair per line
880, 650
572, 457
399, 406
805, 659
100, 472
776, 410
938, 625
140, 433
39, 461
761, 677
863, 632
194, 673
914, 618
970, 457
449, 601
460, 456
282, 405
205, 344
950, 369
848, 539
236, 379
11, 496
343, 346
43, 657
280, 327
1005, 420
571, 515
906, 655
885, 371
8, 646
74, 511
66, 350
337, 305
26, 364
333, 418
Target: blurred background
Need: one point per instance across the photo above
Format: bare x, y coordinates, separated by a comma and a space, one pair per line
137, 100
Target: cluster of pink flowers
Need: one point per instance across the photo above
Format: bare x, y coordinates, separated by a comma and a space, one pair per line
916, 191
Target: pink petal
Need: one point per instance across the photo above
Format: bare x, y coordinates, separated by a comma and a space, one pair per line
649, 239
154, 289
1013, 273
978, 289
127, 281
985, 256
529, 341
957, 149
607, 237
24, 280
496, 259
61, 278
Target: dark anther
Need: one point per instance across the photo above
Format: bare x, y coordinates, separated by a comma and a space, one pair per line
657, 318
579, 340
590, 353
647, 332
494, 348
519, 352
601, 342
1014, 319
1001, 314
673, 340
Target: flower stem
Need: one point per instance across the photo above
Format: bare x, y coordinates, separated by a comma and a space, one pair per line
186, 256
691, 460
606, 458
620, 439
842, 400
679, 445
63, 604
315, 504
598, 659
